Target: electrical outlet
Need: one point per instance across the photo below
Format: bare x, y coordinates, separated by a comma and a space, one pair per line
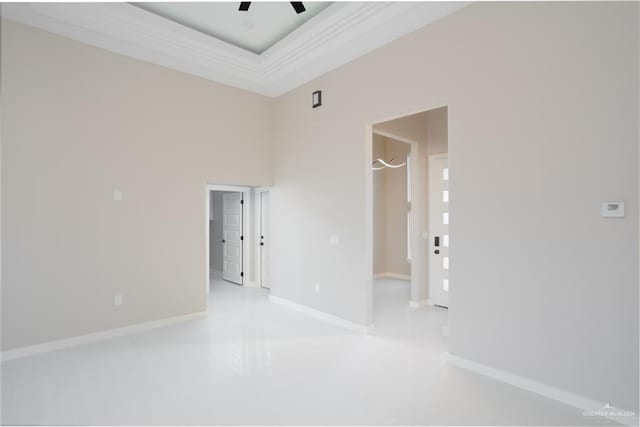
117, 300
317, 287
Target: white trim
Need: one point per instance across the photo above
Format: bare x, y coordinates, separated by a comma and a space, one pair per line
320, 315
247, 231
554, 393
258, 228
31, 350
337, 35
216, 187
390, 275
420, 303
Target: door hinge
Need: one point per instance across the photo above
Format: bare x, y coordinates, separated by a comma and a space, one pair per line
242, 274
241, 237
242, 201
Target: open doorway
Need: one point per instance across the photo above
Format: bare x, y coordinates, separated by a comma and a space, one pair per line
237, 236
410, 225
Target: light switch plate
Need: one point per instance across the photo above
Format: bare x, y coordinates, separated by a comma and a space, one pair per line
117, 195
613, 209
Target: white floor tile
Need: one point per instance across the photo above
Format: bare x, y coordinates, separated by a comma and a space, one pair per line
254, 362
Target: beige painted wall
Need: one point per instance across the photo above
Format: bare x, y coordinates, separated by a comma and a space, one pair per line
542, 286
543, 127
80, 122
390, 209
396, 227
379, 210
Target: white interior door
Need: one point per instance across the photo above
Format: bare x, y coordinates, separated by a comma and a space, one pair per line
232, 237
264, 239
439, 230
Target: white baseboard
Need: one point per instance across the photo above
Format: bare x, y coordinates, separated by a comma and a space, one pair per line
583, 403
420, 303
31, 350
390, 275
321, 315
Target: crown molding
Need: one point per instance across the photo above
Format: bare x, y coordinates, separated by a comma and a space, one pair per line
339, 34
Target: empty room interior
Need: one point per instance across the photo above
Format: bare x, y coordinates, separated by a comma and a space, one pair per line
320, 213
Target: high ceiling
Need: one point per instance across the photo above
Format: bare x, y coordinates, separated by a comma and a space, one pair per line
256, 30
267, 50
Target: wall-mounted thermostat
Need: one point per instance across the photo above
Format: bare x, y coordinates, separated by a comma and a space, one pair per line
613, 209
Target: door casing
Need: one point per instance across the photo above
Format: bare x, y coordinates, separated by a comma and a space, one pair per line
260, 268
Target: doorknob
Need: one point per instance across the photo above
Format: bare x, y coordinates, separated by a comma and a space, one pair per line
223, 240
261, 243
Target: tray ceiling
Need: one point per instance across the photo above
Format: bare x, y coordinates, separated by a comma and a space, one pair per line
288, 51
256, 30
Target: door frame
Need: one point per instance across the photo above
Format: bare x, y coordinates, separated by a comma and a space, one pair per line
247, 229
258, 223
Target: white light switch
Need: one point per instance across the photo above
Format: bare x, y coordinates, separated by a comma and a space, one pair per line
117, 300
613, 209
334, 239
117, 195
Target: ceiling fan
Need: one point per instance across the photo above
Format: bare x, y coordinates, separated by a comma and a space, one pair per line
298, 6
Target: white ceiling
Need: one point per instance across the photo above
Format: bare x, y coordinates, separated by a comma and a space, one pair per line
337, 34
256, 30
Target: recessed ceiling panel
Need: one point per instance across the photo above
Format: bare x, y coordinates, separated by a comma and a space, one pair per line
293, 52
256, 30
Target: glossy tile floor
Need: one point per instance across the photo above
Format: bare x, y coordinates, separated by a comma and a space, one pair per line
253, 362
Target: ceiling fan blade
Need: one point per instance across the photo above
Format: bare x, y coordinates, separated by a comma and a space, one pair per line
298, 6
244, 6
